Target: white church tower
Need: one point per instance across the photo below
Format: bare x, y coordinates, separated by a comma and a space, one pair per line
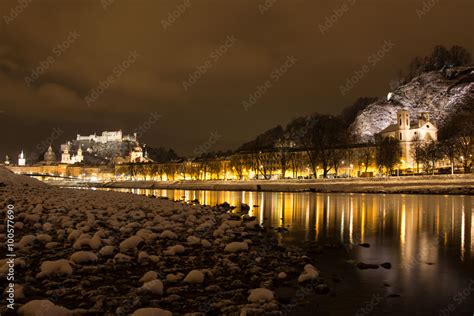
79, 157
21, 159
66, 156
7, 160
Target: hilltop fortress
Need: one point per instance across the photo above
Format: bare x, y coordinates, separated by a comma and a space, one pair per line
106, 137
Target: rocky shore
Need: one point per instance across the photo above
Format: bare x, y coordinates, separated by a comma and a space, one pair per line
81, 252
443, 184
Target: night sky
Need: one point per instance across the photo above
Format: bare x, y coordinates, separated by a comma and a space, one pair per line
87, 66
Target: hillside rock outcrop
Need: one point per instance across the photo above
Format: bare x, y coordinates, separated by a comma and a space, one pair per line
440, 93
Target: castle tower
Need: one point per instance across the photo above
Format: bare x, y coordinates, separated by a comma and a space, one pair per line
49, 156
403, 118
21, 159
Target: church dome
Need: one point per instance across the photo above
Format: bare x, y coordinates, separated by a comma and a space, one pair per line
50, 156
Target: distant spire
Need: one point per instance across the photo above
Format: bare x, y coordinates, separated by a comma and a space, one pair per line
21, 159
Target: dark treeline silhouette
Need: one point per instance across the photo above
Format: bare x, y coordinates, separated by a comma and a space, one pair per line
440, 58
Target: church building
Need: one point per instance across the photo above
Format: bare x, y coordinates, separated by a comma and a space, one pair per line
49, 156
407, 133
21, 159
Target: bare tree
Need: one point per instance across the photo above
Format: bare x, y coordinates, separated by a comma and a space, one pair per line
417, 151
326, 133
431, 155
388, 153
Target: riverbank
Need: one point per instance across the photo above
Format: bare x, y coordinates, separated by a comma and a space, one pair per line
81, 252
443, 184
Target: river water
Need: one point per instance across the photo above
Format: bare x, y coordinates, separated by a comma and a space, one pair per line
428, 239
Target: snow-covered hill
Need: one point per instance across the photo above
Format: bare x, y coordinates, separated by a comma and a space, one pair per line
440, 93
8, 178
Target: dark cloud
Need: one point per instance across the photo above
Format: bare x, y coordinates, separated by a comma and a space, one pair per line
37, 37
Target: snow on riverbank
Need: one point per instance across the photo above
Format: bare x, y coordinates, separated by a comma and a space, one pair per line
445, 184
109, 253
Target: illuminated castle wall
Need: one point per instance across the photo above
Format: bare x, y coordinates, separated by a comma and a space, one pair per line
115, 136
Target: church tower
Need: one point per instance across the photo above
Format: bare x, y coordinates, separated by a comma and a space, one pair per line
66, 156
79, 156
7, 160
423, 118
21, 159
403, 117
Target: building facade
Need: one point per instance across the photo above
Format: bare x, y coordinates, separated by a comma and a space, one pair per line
407, 133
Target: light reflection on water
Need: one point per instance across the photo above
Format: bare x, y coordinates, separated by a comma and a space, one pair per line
428, 239
419, 224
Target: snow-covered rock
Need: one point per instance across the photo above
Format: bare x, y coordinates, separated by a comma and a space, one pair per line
192, 240
107, 251
53, 268
260, 295
43, 307
174, 250
236, 246
130, 243
84, 257
153, 286
26, 240
151, 311
44, 238
168, 234
149, 276
51, 245
309, 273
174, 277
195, 276
120, 257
